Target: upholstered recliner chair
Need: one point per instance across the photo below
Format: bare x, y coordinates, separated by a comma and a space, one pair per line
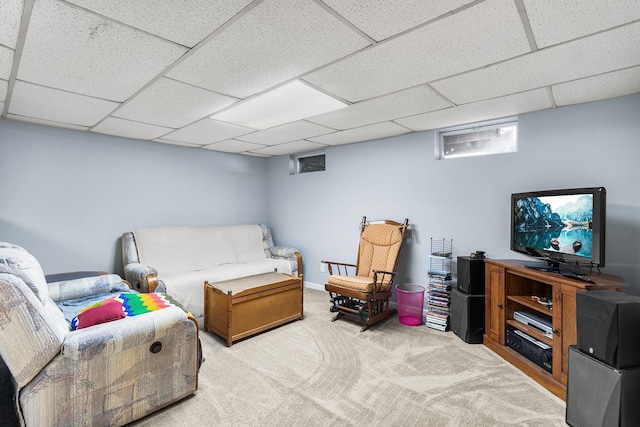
107, 374
364, 289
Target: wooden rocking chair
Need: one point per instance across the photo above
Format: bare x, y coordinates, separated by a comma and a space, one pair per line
366, 292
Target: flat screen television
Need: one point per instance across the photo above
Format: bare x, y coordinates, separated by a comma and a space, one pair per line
561, 228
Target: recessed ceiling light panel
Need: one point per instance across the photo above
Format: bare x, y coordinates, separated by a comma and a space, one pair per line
287, 103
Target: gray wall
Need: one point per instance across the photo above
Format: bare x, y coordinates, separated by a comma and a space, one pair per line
67, 196
464, 199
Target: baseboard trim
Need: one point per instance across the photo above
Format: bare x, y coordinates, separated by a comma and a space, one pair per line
315, 286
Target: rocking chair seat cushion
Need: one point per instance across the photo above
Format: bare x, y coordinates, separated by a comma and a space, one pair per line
357, 283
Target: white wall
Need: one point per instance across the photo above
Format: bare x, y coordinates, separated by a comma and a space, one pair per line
465, 199
67, 196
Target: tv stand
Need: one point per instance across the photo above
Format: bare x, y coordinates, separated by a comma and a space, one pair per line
509, 287
548, 266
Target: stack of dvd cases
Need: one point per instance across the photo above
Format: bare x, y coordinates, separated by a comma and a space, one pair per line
439, 287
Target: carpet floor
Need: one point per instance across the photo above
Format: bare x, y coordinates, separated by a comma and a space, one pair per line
316, 372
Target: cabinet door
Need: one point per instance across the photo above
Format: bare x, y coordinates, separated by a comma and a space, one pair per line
565, 329
495, 303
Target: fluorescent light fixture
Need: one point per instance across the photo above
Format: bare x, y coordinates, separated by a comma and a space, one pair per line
287, 103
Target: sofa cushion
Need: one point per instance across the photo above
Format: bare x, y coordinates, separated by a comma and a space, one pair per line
23, 268
188, 287
24, 265
187, 249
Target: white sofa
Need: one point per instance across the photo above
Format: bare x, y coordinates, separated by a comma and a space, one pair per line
182, 258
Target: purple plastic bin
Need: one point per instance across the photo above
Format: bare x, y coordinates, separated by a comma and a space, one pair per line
410, 299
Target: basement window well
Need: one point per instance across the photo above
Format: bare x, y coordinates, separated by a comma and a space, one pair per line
306, 162
479, 139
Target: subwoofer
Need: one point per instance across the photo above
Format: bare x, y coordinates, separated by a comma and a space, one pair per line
608, 326
470, 275
467, 316
599, 395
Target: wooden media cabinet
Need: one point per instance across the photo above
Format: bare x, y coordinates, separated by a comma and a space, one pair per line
509, 287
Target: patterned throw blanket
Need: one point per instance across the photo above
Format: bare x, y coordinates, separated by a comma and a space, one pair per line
133, 304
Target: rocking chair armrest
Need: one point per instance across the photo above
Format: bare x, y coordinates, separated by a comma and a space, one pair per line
339, 263
378, 281
341, 266
392, 273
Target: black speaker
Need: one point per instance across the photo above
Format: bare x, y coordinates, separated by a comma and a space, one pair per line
467, 316
608, 324
471, 275
599, 395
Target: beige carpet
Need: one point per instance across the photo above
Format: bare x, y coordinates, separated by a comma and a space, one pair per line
318, 373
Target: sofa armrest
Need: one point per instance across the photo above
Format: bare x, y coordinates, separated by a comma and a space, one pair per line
129, 249
108, 338
85, 286
143, 278
292, 254
283, 252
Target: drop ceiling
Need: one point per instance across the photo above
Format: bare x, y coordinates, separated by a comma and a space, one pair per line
158, 69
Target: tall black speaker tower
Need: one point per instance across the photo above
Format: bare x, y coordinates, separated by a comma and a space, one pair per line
467, 300
603, 382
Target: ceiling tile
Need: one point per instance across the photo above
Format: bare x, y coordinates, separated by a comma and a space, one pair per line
460, 42
207, 131
289, 148
365, 133
85, 60
567, 20
58, 106
129, 129
186, 22
273, 43
68, 48
233, 146
184, 144
400, 104
10, 22
604, 86
553, 65
480, 111
382, 19
6, 62
46, 122
174, 104
286, 133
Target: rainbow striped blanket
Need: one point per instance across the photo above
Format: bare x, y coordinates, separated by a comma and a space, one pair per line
133, 304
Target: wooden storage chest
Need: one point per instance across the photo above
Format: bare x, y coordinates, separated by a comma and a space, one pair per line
243, 307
